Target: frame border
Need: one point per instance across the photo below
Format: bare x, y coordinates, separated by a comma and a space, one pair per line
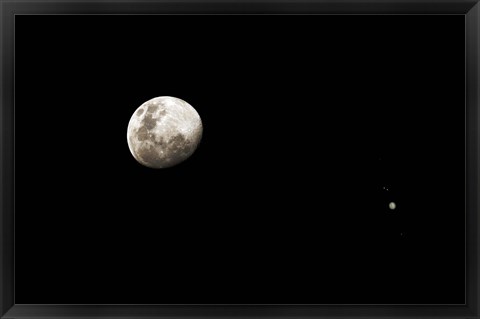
8, 10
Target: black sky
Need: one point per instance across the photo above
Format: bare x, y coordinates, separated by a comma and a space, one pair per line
306, 120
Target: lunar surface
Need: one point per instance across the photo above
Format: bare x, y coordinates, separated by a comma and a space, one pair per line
163, 132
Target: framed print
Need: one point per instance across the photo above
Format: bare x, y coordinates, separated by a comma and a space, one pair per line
239, 159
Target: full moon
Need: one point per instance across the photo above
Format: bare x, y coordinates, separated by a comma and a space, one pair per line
163, 132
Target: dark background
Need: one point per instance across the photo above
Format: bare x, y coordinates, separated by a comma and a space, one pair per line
306, 120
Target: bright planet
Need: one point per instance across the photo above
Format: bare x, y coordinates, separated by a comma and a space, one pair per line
163, 132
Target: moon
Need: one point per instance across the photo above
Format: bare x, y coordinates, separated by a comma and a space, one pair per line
392, 205
163, 132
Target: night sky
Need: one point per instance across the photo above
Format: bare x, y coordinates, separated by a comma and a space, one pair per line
313, 125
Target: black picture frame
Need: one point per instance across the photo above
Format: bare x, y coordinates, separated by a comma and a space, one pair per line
469, 8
